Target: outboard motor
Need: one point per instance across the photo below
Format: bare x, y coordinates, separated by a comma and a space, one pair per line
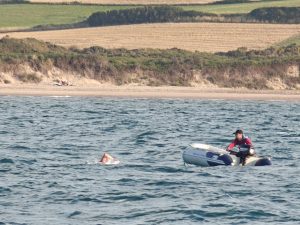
263, 162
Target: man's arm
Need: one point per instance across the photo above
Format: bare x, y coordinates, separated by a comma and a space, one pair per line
249, 143
231, 146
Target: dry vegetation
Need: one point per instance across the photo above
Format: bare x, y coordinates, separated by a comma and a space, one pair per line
33, 61
204, 37
129, 2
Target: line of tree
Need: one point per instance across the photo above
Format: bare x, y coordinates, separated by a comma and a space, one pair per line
162, 14
276, 14
147, 14
231, 2
13, 1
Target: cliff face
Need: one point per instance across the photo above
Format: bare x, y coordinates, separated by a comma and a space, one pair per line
283, 77
30, 60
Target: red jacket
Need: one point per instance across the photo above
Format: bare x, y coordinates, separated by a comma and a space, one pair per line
244, 143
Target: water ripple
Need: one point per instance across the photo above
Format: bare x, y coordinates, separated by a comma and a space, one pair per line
50, 148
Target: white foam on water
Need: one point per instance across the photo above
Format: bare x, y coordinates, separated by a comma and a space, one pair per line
113, 162
96, 161
60, 96
92, 162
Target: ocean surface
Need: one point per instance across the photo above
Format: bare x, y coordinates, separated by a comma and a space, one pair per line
50, 146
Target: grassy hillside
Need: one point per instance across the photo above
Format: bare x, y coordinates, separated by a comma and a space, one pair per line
289, 41
239, 68
29, 15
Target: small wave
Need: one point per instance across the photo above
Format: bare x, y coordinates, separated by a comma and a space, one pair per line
92, 162
4, 132
4, 190
19, 147
75, 213
29, 161
89, 112
6, 160
88, 199
169, 169
164, 183
259, 214
143, 137
124, 198
12, 223
201, 214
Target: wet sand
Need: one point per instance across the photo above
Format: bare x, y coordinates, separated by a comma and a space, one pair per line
148, 92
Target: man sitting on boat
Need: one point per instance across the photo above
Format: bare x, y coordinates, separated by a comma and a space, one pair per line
244, 144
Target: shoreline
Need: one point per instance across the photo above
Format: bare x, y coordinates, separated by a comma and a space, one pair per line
131, 91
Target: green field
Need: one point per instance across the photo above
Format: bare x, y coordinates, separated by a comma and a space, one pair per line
243, 7
29, 15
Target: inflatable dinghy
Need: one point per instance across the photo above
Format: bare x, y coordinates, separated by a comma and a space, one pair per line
206, 155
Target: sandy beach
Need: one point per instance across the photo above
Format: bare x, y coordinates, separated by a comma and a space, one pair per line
148, 92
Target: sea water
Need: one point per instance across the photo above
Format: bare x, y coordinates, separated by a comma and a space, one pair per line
50, 147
